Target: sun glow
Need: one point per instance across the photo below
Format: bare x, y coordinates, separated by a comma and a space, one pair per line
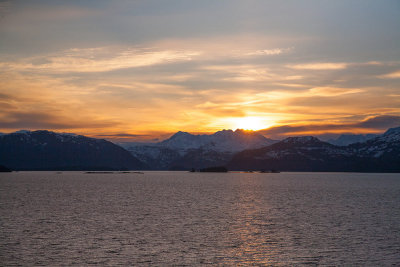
251, 123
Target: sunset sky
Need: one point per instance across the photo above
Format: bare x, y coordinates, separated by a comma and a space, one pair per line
141, 70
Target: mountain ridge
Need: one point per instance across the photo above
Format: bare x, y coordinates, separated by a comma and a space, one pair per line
46, 150
238, 150
348, 139
380, 154
185, 151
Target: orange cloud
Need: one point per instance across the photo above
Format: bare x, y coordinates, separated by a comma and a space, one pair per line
329, 91
392, 75
375, 124
319, 66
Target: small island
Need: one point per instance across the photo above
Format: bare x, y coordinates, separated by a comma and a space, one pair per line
4, 169
215, 169
270, 171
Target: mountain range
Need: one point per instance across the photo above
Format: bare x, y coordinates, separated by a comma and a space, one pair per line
185, 151
348, 139
379, 154
238, 150
246, 150
45, 150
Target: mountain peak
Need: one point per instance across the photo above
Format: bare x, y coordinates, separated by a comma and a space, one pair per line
47, 150
225, 140
392, 131
182, 133
247, 132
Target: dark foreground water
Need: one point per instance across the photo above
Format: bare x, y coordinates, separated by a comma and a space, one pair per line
178, 218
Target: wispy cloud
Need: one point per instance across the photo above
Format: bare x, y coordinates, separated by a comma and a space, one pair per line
97, 60
45, 120
392, 75
329, 91
373, 124
103, 59
141, 69
267, 52
319, 66
203, 87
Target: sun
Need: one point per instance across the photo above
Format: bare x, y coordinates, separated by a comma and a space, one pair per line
251, 123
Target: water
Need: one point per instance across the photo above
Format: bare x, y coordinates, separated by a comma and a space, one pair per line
178, 218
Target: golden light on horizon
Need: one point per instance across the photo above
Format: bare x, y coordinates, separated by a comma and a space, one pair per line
253, 123
171, 79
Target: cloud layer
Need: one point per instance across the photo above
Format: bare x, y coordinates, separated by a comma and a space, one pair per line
145, 69
375, 124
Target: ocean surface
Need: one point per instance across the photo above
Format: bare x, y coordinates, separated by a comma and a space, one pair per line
180, 218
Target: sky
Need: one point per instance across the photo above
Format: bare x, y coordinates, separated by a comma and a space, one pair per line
144, 69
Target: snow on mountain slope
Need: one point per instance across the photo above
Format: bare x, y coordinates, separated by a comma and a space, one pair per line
184, 150
222, 141
386, 145
380, 154
348, 139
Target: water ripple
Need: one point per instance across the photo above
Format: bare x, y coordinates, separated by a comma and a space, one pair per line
177, 218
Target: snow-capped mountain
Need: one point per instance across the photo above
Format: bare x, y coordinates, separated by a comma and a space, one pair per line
45, 150
348, 139
184, 150
242, 150
222, 141
380, 154
239, 150
386, 146
291, 154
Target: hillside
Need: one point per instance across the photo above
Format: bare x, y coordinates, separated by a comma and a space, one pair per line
45, 150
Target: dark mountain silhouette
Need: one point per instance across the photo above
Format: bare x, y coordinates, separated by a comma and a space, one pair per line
291, 154
156, 157
200, 158
45, 150
380, 154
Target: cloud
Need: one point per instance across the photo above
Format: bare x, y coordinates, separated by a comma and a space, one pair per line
43, 120
117, 57
224, 112
268, 52
246, 73
122, 135
319, 66
5, 97
380, 122
97, 60
201, 85
329, 91
142, 66
392, 75
370, 124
